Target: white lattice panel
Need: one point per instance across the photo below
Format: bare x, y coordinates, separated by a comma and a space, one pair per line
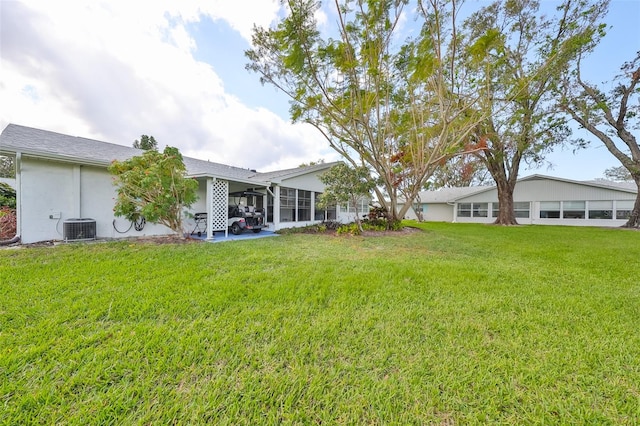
219, 202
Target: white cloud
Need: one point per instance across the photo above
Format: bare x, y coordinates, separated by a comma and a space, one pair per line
114, 70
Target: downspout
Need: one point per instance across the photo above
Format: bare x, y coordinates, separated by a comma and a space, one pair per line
16, 238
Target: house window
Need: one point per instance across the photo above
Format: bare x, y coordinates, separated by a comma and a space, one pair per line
600, 210
363, 207
550, 210
480, 209
304, 205
573, 210
473, 210
319, 213
521, 209
623, 209
270, 205
495, 209
331, 213
328, 213
464, 210
287, 204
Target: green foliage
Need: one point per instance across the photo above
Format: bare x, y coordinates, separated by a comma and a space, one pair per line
515, 60
7, 196
349, 229
344, 184
393, 107
413, 329
154, 186
147, 143
7, 167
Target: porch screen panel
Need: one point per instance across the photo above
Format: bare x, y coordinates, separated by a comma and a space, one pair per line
219, 201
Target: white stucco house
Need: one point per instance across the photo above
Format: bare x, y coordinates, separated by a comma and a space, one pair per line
538, 200
64, 179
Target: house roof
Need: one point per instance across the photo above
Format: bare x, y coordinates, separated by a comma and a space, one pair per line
44, 144
598, 183
280, 175
445, 195
451, 195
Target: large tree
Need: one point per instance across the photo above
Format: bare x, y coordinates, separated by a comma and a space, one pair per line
516, 56
153, 186
394, 108
614, 118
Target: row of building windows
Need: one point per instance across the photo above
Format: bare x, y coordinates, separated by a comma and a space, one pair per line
555, 209
586, 209
521, 209
295, 206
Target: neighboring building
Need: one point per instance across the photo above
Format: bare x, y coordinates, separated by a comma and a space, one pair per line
538, 200
61, 178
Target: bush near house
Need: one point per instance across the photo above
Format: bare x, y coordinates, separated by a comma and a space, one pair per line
7, 196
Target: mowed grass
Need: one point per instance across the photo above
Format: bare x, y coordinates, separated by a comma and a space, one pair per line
453, 325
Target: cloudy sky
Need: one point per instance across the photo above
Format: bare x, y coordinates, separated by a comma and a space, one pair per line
114, 70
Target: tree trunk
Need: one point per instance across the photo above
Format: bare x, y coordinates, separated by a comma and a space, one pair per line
634, 219
506, 215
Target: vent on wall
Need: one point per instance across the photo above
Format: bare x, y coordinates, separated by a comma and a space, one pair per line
78, 229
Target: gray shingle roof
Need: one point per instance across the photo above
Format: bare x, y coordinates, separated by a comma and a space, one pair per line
58, 146
278, 175
450, 195
445, 195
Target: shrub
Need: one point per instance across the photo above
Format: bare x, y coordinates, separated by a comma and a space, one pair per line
348, 229
7, 196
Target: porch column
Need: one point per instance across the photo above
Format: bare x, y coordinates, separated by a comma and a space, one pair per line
276, 207
209, 201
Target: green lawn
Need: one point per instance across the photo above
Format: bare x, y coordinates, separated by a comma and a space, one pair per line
453, 325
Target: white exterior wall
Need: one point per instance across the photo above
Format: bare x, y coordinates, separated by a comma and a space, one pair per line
432, 212
67, 191
540, 190
307, 182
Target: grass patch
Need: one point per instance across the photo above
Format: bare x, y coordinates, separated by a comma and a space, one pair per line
457, 324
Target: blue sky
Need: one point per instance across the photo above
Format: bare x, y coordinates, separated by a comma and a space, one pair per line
113, 70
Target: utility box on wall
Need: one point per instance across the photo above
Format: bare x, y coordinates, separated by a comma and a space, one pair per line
79, 229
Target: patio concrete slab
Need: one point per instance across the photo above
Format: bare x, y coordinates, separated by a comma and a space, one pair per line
219, 237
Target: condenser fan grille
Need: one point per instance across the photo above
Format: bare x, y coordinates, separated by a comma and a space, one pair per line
79, 229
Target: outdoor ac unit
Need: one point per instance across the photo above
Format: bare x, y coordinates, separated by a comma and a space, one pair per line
79, 229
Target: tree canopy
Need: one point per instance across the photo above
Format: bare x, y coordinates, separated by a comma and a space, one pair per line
395, 108
146, 143
154, 186
515, 58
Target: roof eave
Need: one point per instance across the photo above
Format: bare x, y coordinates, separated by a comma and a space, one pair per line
57, 157
228, 178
